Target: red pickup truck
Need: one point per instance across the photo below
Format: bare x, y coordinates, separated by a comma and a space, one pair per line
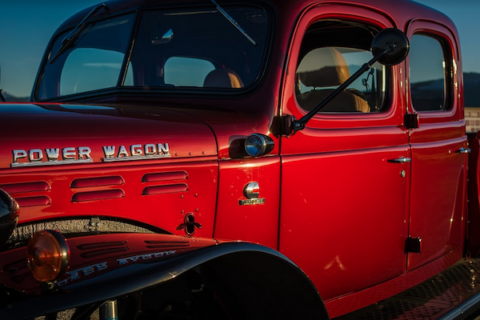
242, 160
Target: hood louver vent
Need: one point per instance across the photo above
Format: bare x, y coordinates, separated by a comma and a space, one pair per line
165, 188
102, 248
38, 200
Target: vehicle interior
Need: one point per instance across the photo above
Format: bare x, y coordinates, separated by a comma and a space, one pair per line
331, 52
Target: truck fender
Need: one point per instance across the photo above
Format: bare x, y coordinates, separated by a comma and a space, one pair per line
261, 282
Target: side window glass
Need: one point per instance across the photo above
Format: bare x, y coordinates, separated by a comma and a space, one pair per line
187, 72
331, 52
427, 74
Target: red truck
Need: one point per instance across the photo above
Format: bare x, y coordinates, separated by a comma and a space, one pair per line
242, 160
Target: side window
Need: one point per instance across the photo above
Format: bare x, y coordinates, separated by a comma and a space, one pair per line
331, 52
428, 81
187, 72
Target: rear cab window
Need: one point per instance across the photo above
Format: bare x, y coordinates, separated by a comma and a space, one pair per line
429, 81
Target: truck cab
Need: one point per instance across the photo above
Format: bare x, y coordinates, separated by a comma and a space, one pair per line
220, 141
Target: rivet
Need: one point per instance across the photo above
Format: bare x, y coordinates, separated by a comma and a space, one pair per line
203, 152
189, 153
176, 154
196, 194
181, 197
403, 174
196, 210
183, 211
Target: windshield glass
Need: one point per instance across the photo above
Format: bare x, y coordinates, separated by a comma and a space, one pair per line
182, 49
92, 62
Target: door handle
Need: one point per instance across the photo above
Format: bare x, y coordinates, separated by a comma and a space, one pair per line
400, 160
463, 150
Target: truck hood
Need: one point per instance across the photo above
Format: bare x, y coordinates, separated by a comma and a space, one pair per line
53, 134
79, 168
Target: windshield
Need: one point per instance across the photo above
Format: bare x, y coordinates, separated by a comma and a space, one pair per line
185, 49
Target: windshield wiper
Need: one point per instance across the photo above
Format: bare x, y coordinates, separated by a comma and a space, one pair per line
236, 25
68, 40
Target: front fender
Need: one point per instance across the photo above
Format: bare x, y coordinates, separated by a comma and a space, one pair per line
257, 281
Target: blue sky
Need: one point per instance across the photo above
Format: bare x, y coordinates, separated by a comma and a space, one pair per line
26, 27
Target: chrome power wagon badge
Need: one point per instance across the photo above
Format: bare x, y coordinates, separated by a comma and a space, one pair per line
54, 156
76, 155
137, 152
251, 192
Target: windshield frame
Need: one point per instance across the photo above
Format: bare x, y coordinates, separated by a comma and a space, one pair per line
119, 89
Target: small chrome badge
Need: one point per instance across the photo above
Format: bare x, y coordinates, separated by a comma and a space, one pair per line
251, 192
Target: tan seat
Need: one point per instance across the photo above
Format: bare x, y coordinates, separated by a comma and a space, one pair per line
223, 78
322, 68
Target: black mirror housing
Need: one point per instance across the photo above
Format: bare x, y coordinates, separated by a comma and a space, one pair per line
394, 39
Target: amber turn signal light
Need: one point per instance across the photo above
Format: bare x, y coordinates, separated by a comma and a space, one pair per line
47, 255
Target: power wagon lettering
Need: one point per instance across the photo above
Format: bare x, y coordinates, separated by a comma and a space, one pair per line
71, 155
35, 157
137, 152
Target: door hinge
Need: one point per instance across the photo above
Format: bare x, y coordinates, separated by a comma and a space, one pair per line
283, 125
412, 120
413, 245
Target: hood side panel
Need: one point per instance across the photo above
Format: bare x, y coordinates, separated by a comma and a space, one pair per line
159, 195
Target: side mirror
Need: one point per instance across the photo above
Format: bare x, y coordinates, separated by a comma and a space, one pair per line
8, 216
393, 40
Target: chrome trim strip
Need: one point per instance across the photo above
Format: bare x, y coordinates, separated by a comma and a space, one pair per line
132, 158
460, 309
49, 163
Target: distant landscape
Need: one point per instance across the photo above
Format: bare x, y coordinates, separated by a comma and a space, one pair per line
472, 89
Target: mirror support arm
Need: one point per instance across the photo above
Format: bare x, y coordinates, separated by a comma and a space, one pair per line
298, 125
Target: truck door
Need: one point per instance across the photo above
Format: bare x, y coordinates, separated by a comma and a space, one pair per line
344, 177
439, 144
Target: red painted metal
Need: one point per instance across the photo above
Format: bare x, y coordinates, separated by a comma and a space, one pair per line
97, 182
438, 181
33, 201
154, 177
345, 304
98, 195
253, 223
165, 211
93, 255
150, 191
25, 187
334, 203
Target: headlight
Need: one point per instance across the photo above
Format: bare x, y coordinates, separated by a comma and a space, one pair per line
258, 145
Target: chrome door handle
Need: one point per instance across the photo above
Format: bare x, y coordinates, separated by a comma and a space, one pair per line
463, 150
400, 160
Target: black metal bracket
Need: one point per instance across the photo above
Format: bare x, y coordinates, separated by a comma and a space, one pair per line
283, 125
413, 245
412, 120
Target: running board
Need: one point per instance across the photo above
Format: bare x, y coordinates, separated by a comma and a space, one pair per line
451, 294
